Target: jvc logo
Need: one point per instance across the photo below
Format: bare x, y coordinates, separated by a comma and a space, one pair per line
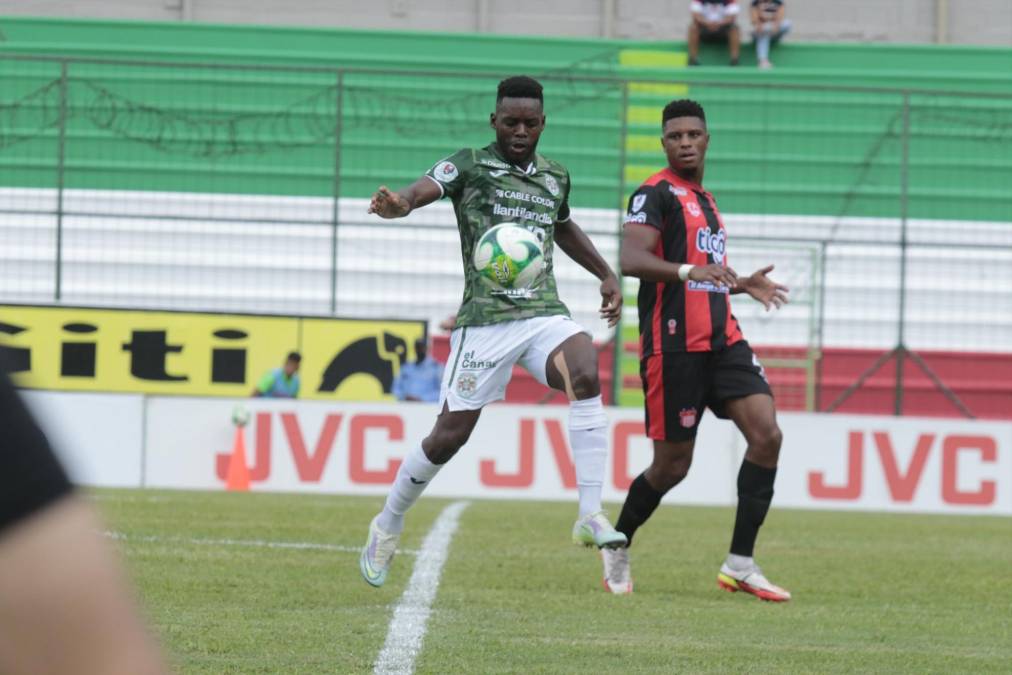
713, 243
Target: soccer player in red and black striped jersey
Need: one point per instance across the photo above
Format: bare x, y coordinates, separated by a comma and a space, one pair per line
693, 354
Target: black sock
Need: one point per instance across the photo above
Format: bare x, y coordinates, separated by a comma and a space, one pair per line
639, 504
755, 492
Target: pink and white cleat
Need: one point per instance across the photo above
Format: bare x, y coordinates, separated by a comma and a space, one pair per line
751, 581
617, 576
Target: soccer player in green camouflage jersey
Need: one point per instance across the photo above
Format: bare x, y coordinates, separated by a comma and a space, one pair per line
507, 182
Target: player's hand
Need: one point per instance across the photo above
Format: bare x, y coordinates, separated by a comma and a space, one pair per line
611, 300
765, 290
387, 204
717, 275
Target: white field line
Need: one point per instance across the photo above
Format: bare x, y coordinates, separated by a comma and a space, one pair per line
408, 624
250, 543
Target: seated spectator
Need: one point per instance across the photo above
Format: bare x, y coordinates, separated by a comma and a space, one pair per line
768, 26
281, 382
419, 381
714, 21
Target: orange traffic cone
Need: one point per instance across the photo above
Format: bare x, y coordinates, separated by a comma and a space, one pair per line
238, 473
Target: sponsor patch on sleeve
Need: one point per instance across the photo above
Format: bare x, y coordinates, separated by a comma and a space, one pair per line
445, 172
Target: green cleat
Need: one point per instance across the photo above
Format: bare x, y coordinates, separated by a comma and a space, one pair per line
377, 555
595, 530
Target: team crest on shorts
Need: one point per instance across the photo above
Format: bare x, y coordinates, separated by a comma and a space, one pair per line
467, 383
552, 185
687, 417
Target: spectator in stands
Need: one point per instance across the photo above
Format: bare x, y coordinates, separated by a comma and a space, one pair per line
419, 381
714, 21
768, 26
281, 382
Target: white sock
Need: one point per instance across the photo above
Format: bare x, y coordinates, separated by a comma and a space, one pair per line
740, 563
413, 477
589, 440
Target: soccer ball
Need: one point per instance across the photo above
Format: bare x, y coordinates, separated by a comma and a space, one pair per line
509, 256
240, 416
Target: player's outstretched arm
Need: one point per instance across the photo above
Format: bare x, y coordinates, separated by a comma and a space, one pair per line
764, 289
387, 204
578, 246
639, 260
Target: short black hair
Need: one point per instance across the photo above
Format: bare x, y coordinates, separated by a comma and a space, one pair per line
294, 356
683, 107
519, 86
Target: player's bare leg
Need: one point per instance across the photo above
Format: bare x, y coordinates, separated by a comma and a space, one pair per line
755, 416
669, 467
448, 435
572, 368
693, 42
734, 43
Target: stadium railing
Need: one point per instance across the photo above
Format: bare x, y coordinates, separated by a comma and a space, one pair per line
244, 188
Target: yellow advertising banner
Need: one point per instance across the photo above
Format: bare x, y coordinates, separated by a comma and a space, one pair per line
199, 354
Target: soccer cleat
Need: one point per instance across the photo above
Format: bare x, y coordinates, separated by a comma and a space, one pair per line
377, 555
595, 530
617, 577
751, 581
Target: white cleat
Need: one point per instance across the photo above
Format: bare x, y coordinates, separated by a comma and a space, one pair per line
751, 581
617, 576
596, 530
374, 563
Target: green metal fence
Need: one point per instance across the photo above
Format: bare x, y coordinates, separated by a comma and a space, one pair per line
877, 184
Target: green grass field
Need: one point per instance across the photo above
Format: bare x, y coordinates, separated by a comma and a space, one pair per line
872, 593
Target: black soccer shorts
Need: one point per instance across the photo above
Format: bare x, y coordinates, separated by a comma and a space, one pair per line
679, 386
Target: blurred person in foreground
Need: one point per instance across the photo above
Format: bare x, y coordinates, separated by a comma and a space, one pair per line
419, 380
714, 21
65, 606
281, 382
693, 353
768, 26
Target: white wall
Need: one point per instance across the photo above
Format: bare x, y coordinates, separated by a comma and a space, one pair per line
974, 22
99, 437
411, 268
521, 452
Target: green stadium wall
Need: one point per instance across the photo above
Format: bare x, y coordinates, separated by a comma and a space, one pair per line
789, 141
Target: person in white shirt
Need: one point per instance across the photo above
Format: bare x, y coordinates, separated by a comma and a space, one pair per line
714, 21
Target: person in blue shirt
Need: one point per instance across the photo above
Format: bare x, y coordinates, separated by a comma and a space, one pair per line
419, 381
281, 382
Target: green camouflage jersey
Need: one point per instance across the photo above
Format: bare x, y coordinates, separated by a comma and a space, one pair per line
486, 191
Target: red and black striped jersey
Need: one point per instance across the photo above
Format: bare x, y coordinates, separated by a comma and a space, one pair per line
676, 316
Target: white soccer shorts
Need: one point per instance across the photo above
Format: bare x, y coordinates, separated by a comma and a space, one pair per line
482, 358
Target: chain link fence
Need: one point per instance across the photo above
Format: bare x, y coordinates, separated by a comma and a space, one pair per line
230, 188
